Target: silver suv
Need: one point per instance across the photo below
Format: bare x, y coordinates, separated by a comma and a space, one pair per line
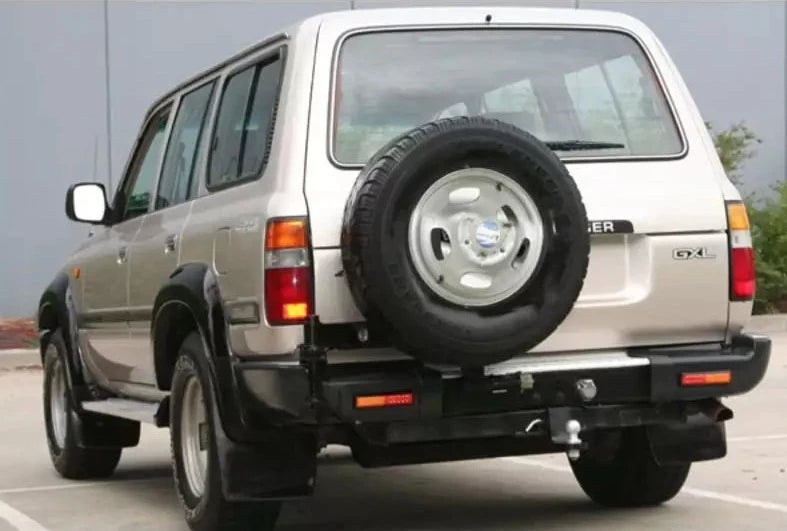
426, 234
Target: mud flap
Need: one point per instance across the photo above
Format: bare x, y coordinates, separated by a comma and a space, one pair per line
685, 443
102, 431
283, 466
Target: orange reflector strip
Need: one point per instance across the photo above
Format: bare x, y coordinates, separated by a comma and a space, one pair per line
736, 216
286, 234
296, 310
76, 272
689, 379
372, 401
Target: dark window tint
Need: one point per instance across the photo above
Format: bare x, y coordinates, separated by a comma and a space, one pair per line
260, 120
181, 157
135, 195
244, 125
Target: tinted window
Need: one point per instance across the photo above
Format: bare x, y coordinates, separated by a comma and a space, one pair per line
181, 157
245, 123
560, 85
136, 192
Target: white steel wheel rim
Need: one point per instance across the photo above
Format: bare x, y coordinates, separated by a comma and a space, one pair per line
194, 436
475, 237
57, 403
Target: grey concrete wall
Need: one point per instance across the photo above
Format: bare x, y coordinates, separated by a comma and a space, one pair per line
53, 96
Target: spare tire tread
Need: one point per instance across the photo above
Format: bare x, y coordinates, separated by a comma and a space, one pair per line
463, 345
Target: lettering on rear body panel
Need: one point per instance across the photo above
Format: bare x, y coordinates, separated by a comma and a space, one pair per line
610, 226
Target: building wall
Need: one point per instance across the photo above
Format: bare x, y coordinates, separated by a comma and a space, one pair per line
53, 92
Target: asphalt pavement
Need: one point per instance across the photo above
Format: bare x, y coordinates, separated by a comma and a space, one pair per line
745, 490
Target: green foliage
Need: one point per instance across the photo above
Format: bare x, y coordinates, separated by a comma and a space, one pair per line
734, 146
769, 232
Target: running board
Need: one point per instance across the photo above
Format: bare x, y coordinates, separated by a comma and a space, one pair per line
156, 413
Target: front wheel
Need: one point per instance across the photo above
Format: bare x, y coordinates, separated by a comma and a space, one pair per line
620, 471
70, 459
195, 456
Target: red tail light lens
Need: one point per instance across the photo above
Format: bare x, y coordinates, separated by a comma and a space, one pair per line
743, 273
287, 295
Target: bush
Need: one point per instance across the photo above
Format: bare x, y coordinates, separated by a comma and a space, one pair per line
769, 233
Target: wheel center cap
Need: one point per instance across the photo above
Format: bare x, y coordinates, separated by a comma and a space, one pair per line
487, 234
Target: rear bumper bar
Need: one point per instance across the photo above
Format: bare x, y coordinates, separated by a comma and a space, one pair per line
644, 389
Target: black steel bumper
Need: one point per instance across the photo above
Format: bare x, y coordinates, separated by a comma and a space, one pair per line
288, 393
465, 416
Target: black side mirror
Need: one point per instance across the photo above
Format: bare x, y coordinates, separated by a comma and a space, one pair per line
87, 203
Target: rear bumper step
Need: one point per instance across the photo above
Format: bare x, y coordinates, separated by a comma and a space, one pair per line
642, 384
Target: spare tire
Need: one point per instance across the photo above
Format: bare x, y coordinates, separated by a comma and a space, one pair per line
465, 241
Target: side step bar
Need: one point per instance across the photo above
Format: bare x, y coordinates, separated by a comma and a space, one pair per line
156, 413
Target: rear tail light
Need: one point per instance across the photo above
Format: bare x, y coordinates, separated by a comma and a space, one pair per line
288, 290
742, 271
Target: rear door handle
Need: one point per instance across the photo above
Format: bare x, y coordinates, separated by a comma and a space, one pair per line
122, 255
170, 243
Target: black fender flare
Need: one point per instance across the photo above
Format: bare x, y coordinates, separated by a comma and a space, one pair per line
194, 287
56, 310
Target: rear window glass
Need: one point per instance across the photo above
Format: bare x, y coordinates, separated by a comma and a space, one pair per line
580, 86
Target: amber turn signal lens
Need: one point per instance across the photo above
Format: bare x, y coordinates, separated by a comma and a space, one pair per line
736, 216
286, 234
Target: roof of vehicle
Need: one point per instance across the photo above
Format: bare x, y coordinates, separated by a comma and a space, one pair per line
450, 15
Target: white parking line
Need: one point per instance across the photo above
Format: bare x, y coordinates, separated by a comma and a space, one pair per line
699, 493
77, 485
758, 438
19, 520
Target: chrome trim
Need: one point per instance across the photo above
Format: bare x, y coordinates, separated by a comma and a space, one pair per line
565, 362
582, 27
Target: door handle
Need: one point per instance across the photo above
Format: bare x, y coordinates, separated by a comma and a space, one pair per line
122, 255
170, 243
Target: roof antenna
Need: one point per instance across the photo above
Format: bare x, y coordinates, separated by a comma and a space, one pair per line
488, 18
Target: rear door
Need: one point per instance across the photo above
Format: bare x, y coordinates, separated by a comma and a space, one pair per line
658, 269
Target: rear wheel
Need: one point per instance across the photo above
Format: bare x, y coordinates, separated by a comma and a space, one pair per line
195, 456
70, 460
621, 472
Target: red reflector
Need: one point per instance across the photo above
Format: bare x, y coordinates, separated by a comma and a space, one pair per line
743, 273
690, 379
399, 399
287, 295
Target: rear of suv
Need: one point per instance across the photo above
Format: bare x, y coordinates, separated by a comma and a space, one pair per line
426, 234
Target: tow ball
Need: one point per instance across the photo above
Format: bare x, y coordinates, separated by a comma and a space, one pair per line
574, 443
564, 430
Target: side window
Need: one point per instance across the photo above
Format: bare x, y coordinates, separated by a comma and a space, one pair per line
241, 139
177, 175
594, 105
134, 196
